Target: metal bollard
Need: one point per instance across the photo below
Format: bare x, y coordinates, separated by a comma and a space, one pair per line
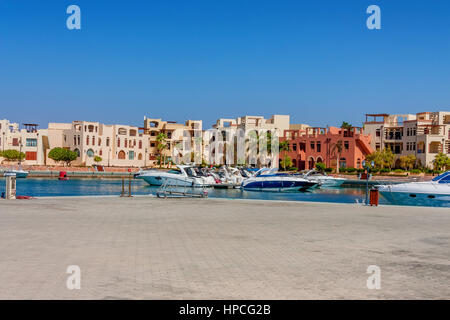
129, 187
123, 187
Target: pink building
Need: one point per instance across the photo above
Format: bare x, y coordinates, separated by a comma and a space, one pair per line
311, 145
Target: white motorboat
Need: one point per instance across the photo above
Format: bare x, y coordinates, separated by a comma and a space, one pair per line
185, 176
434, 193
270, 180
20, 174
323, 180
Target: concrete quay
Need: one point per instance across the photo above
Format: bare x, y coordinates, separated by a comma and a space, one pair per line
149, 248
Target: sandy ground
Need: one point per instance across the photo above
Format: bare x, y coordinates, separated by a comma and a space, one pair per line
147, 248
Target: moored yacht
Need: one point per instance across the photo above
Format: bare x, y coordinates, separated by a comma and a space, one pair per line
323, 180
185, 176
434, 193
17, 173
270, 180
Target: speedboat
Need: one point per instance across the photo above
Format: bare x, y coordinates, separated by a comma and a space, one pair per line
15, 173
323, 180
185, 176
434, 193
269, 180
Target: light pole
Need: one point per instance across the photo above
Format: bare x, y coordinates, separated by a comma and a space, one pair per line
145, 158
20, 152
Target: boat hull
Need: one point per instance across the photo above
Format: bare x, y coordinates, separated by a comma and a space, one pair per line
18, 175
172, 181
278, 185
416, 199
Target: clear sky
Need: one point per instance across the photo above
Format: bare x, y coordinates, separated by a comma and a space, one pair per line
206, 59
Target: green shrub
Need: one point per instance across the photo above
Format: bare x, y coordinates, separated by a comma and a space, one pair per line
399, 170
98, 159
385, 170
328, 170
351, 170
416, 171
320, 166
13, 155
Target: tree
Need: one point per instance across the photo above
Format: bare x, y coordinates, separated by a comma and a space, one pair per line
98, 159
441, 161
284, 147
13, 155
337, 149
320, 166
346, 125
62, 155
407, 162
377, 159
161, 138
388, 158
286, 162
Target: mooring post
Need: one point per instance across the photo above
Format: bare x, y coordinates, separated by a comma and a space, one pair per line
123, 187
129, 187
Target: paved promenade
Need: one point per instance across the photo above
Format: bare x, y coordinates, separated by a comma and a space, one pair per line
147, 248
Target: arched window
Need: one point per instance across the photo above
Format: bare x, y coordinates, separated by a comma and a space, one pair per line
121, 155
122, 131
311, 163
77, 152
342, 163
87, 140
140, 156
90, 153
118, 142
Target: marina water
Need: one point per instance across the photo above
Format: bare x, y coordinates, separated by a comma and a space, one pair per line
41, 187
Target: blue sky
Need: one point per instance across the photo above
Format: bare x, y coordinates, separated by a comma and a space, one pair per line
204, 59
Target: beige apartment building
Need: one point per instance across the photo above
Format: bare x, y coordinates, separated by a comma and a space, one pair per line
423, 134
178, 135
28, 140
116, 145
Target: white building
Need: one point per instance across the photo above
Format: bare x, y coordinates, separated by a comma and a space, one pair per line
424, 134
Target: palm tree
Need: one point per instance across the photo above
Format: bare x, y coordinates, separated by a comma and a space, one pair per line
337, 149
284, 147
162, 145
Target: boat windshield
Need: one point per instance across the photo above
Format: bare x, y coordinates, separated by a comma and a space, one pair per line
443, 178
174, 171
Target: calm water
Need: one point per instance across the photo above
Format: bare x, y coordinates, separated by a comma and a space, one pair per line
81, 187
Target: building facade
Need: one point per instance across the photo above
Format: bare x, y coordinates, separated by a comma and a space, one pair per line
179, 137
423, 135
230, 127
28, 140
312, 145
113, 145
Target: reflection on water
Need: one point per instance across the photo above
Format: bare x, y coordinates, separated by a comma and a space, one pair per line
81, 187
